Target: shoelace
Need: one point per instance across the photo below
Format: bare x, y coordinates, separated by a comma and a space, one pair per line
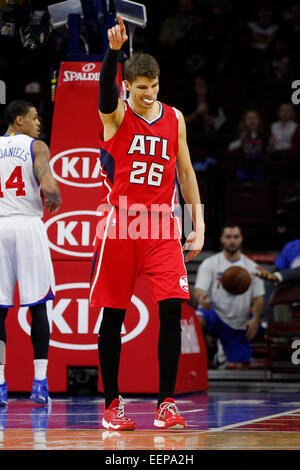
39, 388
169, 407
121, 412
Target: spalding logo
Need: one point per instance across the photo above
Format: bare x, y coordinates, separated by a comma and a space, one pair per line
73, 229
77, 167
88, 67
87, 321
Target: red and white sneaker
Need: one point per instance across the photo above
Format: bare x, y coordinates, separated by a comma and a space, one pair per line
114, 417
168, 417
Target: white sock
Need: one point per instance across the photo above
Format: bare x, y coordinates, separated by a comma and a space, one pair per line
40, 368
2, 378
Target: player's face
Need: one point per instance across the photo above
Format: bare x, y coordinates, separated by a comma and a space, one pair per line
143, 92
231, 240
30, 123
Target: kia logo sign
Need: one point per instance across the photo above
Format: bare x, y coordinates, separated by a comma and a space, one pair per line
78, 167
73, 325
88, 67
73, 233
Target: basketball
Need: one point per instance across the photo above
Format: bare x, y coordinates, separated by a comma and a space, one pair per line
236, 280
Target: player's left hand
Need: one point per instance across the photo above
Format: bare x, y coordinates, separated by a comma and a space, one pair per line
252, 325
52, 207
194, 243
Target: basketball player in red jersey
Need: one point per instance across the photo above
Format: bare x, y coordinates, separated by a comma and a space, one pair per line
143, 144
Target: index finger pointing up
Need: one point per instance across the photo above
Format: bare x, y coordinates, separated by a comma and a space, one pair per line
121, 24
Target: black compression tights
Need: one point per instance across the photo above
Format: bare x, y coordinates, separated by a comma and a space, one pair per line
109, 348
3, 313
40, 331
169, 344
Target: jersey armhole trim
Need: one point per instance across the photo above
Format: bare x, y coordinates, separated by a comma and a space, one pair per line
176, 112
31, 150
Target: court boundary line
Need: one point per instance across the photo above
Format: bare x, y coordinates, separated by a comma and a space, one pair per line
250, 421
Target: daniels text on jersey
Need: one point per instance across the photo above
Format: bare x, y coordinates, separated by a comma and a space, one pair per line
16, 152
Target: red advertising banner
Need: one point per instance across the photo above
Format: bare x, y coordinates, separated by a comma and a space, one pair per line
74, 338
75, 160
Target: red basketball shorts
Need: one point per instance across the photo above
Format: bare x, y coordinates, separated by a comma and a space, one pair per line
130, 246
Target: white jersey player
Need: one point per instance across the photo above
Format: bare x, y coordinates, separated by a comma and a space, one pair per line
232, 319
25, 183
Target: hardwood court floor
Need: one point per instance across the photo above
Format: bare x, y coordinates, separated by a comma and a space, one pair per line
216, 421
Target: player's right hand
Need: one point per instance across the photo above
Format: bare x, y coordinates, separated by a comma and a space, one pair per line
117, 35
264, 274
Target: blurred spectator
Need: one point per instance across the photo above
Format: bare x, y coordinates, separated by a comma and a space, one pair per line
288, 264
289, 256
252, 45
219, 25
280, 66
233, 319
283, 130
263, 29
182, 39
177, 27
207, 116
282, 158
282, 230
291, 31
250, 147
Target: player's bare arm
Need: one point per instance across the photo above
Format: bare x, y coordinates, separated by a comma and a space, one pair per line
256, 310
43, 173
111, 108
190, 192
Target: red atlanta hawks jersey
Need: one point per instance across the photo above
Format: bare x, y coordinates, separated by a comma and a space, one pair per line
138, 163
19, 189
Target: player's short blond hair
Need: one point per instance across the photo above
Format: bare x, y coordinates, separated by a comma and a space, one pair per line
141, 64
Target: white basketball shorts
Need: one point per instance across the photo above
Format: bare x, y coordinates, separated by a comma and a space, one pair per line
25, 257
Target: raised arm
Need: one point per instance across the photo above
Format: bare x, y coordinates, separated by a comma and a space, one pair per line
43, 173
111, 108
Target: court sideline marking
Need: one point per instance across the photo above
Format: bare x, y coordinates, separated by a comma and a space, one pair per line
256, 420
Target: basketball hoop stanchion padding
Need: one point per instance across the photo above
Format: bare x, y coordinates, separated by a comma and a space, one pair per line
71, 232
